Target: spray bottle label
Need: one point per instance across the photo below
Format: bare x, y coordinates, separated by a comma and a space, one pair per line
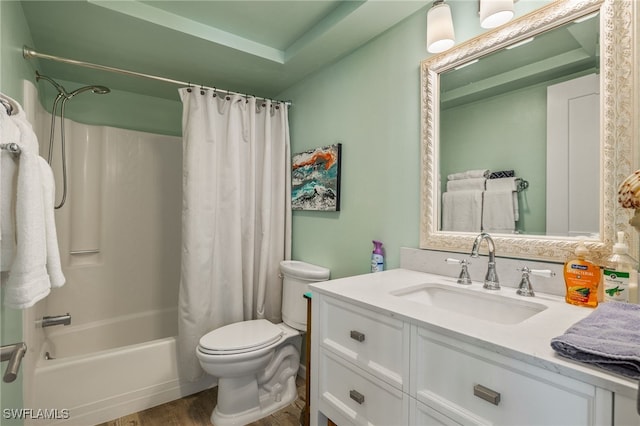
377, 263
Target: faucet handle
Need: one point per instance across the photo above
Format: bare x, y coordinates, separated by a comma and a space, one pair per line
464, 277
525, 288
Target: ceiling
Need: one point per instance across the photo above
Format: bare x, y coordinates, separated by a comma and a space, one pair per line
259, 47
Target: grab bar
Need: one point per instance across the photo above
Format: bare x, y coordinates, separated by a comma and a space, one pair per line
14, 354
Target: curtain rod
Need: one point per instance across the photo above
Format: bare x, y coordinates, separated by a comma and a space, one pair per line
29, 53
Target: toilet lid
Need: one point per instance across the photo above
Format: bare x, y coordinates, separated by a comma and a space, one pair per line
241, 336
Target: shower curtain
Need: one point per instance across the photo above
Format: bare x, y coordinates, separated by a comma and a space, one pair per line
236, 214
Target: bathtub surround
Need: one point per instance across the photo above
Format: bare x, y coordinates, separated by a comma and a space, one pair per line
236, 215
123, 299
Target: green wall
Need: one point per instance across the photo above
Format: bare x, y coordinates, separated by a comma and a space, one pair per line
13, 69
370, 101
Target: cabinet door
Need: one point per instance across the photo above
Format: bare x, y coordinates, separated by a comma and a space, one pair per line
374, 342
423, 415
484, 387
358, 397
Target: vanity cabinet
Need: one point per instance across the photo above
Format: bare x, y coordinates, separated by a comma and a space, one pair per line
473, 386
374, 368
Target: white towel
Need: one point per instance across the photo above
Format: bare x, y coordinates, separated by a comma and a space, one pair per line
498, 214
9, 133
34, 238
470, 174
509, 184
472, 184
462, 211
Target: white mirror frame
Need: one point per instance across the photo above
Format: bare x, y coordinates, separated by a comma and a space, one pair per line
618, 127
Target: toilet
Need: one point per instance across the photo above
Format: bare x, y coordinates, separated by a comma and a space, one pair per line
256, 361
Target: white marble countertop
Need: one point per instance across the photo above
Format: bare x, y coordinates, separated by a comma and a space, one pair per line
527, 341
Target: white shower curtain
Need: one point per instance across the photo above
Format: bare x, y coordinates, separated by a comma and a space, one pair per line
236, 215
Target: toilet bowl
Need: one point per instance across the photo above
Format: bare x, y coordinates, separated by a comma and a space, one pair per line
256, 361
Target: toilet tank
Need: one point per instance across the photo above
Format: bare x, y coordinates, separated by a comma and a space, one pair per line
296, 277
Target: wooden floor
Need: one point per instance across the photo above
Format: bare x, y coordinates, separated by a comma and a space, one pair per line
195, 410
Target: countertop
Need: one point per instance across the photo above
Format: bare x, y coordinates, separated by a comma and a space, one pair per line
527, 341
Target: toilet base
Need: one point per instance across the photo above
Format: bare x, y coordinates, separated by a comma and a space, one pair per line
270, 402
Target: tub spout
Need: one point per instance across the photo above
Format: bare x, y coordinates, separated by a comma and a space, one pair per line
14, 354
56, 320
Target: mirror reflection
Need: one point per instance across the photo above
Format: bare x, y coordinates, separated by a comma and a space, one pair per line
519, 137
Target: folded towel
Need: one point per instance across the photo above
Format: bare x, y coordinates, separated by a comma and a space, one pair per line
608, 338
502, 184
498, 212
469, 174
472, 184
462, 211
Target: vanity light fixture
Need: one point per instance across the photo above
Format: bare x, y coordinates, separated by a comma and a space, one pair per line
440, 35
494, 13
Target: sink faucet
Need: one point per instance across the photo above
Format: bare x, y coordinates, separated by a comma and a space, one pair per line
491, 281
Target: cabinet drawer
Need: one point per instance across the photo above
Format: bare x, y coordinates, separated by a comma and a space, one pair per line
375, 343
474, 386
357, 395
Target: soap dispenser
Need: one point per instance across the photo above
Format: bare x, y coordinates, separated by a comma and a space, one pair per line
620, 273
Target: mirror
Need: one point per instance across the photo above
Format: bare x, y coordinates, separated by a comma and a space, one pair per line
462, 86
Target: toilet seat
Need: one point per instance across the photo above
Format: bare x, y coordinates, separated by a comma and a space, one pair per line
240, 337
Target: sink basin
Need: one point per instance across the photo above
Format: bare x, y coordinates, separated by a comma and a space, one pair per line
473, 303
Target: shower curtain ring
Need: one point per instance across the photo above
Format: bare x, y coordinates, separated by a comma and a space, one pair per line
202, 89
214, 91
189, 86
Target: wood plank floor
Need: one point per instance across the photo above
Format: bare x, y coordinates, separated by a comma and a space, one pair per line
195, 410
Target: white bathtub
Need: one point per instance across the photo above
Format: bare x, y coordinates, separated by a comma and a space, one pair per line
101, 378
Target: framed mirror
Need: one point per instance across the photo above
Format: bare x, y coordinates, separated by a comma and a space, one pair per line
487, 106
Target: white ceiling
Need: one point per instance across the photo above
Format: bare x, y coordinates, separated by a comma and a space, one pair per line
259, 47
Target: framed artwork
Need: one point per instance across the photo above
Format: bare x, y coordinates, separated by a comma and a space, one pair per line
315, 179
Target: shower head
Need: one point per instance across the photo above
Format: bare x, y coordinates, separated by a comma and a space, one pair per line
100, 90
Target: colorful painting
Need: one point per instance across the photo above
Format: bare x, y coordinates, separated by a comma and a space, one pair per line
315, 179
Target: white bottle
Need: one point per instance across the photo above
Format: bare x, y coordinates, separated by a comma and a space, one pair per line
620, 274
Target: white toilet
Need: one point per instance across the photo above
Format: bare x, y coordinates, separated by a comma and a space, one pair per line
256, 362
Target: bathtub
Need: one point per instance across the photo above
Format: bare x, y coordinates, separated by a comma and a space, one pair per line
94, 379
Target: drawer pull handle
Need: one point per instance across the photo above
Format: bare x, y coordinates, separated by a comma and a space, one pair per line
356, 335
356, 396
487, 394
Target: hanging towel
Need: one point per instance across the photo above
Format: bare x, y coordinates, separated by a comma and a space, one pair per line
462, 211
470, 174
9, 133
33, 240
608, 338
472, 184
509, 184
497, 213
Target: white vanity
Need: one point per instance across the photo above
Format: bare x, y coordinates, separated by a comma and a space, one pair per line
403, 347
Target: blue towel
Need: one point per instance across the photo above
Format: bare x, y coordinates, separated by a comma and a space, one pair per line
608, 338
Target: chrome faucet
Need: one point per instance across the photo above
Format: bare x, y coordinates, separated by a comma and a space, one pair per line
491, 281
56, 320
